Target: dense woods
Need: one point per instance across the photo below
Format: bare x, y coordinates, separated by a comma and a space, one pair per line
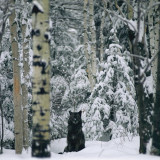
96, 56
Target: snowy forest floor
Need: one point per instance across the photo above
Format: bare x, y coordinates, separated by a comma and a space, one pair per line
118, 149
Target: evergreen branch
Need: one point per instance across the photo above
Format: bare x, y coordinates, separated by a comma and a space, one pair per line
123, 19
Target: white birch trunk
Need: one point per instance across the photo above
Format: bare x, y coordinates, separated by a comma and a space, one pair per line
153, 18
86, 41
25, 81
41, 79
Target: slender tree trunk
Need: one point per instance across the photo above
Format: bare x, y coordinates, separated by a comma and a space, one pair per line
86, 41
2, 124
101, 36
156, 115
93, 41
41, 79
16, 85
130, 16
156, 118
25, 81
153, 20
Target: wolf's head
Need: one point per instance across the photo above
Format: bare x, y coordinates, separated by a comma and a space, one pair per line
75, 117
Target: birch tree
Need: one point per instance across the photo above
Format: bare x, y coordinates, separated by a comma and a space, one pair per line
155, 149
153, 20
93, 40
88, 60
41, 79
16, 85
25, 76
90, 41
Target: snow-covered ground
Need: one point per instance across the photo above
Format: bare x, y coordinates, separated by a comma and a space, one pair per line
118, 149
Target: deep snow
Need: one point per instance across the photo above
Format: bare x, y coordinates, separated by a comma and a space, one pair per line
118, 149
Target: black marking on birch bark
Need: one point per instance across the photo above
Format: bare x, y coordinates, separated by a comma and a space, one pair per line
40, 64
32, 33
46, 36
42, 112
44, 82
39, 47
42, 91
43, 68
37, 8
40, 150
36, 57
35, 103
35, 32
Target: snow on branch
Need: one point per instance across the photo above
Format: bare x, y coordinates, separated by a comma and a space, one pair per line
131, 24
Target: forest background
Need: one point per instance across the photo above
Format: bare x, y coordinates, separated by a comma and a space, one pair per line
104, 60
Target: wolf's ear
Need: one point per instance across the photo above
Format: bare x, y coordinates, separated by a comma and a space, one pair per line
70, 112
80, 112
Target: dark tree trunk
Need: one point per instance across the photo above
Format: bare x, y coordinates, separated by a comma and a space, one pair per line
144, 98
144, 108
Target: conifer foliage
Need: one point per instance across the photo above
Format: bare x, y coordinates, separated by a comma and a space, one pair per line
113, 109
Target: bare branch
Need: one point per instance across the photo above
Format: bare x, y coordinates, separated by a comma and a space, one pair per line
132, 55
119, 10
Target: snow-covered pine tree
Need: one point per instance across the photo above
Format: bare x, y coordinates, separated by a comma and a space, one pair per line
113, 110
6, 82
66, 57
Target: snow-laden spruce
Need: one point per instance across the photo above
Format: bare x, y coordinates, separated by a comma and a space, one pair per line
113, 110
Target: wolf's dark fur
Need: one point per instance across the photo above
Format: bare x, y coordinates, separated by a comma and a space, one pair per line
75, 136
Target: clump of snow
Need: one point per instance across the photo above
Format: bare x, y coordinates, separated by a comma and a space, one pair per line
132, 25
115, 45
71, 30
